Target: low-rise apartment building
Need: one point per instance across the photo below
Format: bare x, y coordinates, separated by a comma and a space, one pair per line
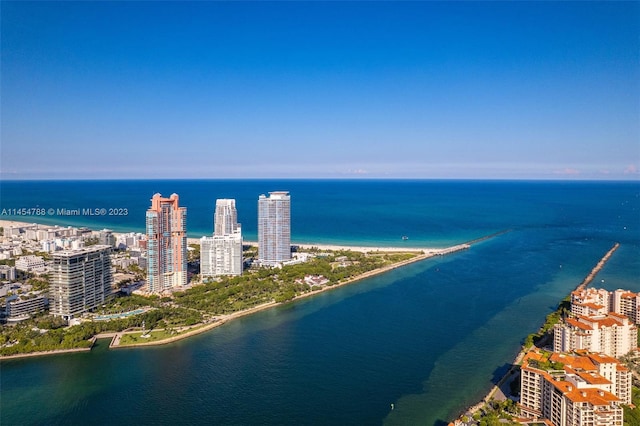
30, 263
20, 307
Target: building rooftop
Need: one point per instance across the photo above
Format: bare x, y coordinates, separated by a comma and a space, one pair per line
578, 324
83, 250
594, 397
593, 378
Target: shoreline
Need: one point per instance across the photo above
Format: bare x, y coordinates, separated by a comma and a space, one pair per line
51, 352
515, 364
421, 254
4, 223
306, 246
201, 328
204, 327
195, 329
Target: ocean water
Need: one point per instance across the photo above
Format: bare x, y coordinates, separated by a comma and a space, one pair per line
377, 212
429, 338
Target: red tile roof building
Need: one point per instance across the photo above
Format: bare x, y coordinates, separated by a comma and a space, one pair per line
591, 301
574, 390
612, 334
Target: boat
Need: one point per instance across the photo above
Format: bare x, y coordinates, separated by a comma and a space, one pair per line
405, 238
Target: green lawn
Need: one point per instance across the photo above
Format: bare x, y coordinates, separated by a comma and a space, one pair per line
154, 336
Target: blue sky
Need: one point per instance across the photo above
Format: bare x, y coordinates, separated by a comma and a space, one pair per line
498, 90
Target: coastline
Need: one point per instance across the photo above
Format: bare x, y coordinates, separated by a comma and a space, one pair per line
518, 274
523, 351
334, 247
421, 254
52, 352
204, 327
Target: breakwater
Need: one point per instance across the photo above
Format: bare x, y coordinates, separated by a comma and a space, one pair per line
487, 237
515, 365
453, 249
598, 267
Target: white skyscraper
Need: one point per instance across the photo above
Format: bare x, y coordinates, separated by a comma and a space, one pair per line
225, 219
221, 254
274, 228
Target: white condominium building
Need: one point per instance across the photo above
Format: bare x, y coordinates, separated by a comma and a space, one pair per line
611, 334
591, 301
81, 280
225, 218
626, 303
19, 307
568, 390
30, 263
221, 254
274, 228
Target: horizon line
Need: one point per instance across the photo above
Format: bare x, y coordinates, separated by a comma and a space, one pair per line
635, 178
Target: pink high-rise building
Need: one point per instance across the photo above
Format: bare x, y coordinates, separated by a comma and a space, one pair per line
167, 244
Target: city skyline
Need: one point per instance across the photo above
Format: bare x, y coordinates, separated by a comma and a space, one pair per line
420, 90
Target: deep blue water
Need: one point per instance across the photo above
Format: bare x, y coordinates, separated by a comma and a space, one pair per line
428, 338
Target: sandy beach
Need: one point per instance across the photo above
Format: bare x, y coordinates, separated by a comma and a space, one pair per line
302, 246
16, 224
334, 247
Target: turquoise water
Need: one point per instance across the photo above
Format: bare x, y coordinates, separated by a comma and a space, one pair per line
429, 338
122, 315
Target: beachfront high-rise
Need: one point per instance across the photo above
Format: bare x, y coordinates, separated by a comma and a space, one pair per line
221, 254
81, 280
274, 228
225, 218
167, 244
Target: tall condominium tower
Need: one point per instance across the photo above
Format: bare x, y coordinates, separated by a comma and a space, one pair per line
221, 254
225, 218
274, 228
81, 280
167, 244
